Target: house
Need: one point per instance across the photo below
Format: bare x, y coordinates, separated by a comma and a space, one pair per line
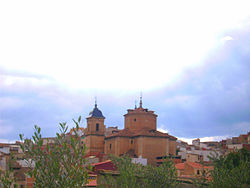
192, 169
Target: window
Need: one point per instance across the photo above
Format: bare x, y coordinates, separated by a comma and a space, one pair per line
132, 141
21, 186
135, 119
110, 145
97, 127
15, 186
198, 172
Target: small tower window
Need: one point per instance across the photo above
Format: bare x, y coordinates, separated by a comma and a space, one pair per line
97, 127
134, 119
110, 145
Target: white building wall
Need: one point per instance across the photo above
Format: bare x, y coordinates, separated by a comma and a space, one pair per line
235, 146
140, 160
5, 150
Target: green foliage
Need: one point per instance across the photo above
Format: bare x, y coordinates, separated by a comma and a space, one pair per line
6, 179
135, 175
232, 170
201, 181
161, 177
128, 174
7, 176
60, 164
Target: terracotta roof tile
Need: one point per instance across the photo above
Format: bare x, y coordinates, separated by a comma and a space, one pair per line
104, 162
4, 145
122, 133
194, 165
142, 132
180, 166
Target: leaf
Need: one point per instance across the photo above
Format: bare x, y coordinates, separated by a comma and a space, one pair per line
79, 119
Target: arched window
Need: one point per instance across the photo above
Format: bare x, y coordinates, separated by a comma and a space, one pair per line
97, 127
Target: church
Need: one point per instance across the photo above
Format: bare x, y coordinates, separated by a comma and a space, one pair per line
138, 139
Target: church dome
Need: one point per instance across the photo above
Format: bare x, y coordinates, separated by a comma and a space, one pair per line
96, 113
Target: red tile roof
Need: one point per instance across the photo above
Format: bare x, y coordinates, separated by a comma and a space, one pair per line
143, 132
100, 163
106, 165
179, 166
122, 133
4, 145
194, 165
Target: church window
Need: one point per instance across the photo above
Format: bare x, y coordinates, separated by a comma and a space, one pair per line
97, 127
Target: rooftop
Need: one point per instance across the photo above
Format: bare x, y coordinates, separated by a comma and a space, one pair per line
96, 113
143, 132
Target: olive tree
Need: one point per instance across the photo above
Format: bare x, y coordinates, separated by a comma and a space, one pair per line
60, 164
6, 178
232, 170
163, 176
132, 175
127, 177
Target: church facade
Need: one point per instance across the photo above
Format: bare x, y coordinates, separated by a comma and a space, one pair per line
139, 138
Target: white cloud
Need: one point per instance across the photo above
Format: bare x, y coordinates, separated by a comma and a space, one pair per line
162, 129
214, 138
181, 100
136, 45
188, 140
205, 139
10, 80
7, 141
226, 38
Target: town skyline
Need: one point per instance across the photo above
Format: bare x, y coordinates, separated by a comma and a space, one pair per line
189, 60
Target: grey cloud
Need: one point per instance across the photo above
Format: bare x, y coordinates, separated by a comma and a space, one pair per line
218, 95
212, 100
18, 73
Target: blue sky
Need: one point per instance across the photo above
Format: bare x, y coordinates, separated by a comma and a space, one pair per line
190, 61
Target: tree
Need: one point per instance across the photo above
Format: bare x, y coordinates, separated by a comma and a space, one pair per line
60, 164
164, 176
232, 170
128, 174
135, 175
7, 176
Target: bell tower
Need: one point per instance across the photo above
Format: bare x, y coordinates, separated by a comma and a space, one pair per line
140, 118
95, 131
